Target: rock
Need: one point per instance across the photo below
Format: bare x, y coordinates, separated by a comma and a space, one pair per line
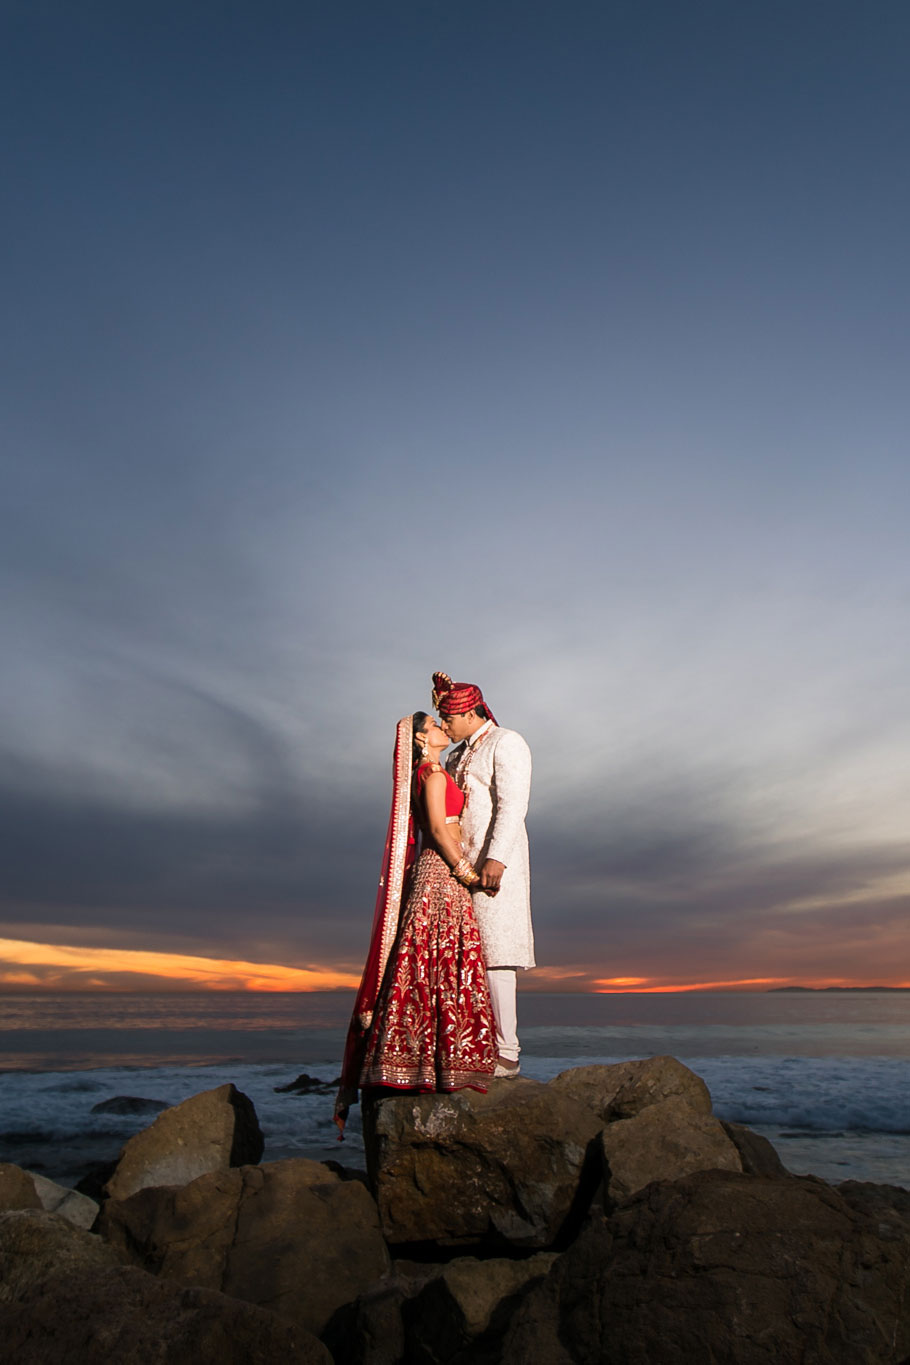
35, 1244
725, 1267
125, 1316
663, 1142
128, 1104
308, 1085
370, 1330
567, 1297
409, 1316
464, 1310
289, 1236
756, 1153
76, 1208
624, 1089
468, 1291
876, 1201
347, 1172
17, 1188
209, 1132
509, 1166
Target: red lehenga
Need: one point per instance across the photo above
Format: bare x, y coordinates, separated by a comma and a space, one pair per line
422, 1019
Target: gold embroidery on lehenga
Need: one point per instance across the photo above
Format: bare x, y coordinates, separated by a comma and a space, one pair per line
433, 1027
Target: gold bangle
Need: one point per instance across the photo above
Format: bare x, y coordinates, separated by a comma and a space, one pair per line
464, 872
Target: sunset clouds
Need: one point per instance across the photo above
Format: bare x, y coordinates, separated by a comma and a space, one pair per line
560, 349
45, 966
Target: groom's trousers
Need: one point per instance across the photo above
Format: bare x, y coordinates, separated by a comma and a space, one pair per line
502, 983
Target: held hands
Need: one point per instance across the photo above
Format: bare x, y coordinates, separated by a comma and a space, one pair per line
487, 881
491, 876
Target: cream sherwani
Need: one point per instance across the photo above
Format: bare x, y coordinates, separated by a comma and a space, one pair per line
497, 784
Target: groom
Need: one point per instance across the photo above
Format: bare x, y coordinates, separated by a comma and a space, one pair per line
492, 767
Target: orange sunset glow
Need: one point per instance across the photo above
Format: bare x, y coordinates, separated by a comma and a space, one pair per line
29, 966
653, 985
61, 967
643, 985
578, 979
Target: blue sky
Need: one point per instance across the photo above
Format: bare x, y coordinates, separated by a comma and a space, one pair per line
563, 348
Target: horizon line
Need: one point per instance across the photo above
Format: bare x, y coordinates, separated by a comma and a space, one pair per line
25, 989
29, 967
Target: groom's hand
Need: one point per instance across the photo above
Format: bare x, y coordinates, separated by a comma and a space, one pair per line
491, 876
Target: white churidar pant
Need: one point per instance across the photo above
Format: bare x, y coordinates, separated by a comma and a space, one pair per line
502, 983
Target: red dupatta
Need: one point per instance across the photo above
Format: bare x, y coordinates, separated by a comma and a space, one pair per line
398, 856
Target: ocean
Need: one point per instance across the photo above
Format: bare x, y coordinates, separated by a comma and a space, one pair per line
824, 1075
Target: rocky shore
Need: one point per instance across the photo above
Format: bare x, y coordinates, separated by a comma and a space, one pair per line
604, 1217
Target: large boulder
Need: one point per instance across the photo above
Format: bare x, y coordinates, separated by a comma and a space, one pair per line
17, 1188
507, 1167
623, 1089
35, 1244
663, 1142
289, 1235
125, 1316
728, 1268
208, 1132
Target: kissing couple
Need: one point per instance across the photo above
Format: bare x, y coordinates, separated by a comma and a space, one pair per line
436, 1008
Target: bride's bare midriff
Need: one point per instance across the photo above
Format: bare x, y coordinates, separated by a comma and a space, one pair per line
454, 832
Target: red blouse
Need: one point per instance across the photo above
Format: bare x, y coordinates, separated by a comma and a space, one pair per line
454, 795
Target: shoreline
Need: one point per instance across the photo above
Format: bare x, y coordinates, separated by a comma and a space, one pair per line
824, 1074
49, 1126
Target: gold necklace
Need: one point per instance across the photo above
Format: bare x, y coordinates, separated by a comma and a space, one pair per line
464, 764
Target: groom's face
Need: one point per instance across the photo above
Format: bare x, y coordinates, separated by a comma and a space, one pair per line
457, 727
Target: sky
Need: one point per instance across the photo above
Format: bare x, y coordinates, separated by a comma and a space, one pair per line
561, 347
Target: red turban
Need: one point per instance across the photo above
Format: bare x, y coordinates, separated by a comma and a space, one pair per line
454, 699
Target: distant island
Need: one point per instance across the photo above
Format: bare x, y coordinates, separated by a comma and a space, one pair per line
774, 990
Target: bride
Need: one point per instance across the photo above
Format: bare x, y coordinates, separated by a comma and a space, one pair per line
422, 1017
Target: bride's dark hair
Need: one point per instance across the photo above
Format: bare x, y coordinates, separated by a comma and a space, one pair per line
418, 721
